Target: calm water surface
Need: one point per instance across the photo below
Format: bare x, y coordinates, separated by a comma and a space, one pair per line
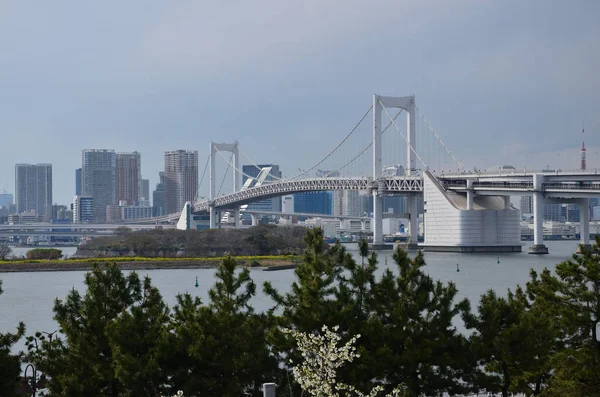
29, 297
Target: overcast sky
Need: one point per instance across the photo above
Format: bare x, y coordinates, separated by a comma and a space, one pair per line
499, 80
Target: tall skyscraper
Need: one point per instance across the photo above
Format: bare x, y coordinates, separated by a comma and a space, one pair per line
158, 196
271, 204
181, 179
346, 203
128, 178
145, 194
526, 205
33, 187
78, 179
6, 199
98, 179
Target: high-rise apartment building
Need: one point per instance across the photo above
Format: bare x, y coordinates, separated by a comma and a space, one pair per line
128, 178
347, 203
33, 187
158, 196
98, 179
145, 194
181, 179
78, 179
313, 203
526, 205
83, 209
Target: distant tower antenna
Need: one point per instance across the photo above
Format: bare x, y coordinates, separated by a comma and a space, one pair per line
582, 147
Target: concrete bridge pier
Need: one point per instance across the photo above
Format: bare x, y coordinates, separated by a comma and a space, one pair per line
236, 217
470, 194
413, 222
538, 246
214, 216
254, 219
584, 225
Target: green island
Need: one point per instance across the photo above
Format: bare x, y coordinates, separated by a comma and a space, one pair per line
261, 246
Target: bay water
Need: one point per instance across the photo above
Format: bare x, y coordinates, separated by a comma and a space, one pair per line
30, 296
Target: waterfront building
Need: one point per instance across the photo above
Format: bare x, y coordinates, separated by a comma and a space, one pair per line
526, 205
6, 200
553, 212
33, 187
119, 213
346, 203
287, 204
24, 217
98, 179
128, 177
78, 179
572, 212
181, 179
271, 173
53, 212
314, 203
145, 194
83, 209
158, 196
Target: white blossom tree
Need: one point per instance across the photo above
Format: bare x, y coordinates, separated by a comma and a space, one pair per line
322, 357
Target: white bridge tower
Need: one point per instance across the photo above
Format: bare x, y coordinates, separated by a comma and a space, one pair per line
408, 104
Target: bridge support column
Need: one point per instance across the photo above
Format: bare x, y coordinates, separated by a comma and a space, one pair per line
506, 202
254, 219
413, 221
377, 221
538, 246
236, 217
584, 224
213, 217
470, 194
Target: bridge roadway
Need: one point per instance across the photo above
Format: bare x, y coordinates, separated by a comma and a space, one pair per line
557, 184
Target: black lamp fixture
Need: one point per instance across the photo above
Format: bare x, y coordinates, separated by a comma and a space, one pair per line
31, 386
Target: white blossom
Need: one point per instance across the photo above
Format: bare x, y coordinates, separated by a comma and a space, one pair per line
322, 356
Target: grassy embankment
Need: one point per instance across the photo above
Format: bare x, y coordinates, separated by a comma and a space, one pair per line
137, 262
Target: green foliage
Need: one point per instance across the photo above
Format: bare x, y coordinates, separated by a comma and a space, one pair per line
44, 253
258, 240
572, 296
10, 364
417, 344
513, 342
225, 337
5, 251
88, 359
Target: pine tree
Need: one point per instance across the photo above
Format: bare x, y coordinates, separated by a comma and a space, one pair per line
82, 361
417, 344
513, 342
221, 348
138, 343
574, 296
10, 364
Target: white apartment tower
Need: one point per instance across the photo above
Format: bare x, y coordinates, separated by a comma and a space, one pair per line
181, 179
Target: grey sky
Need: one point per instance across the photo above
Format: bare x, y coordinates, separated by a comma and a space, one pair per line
498, 79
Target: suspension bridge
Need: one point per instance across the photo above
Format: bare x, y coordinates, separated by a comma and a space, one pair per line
464, 210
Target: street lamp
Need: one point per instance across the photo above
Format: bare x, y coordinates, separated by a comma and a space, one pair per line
30, 387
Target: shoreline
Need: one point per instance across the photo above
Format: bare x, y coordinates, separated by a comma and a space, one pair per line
201, 263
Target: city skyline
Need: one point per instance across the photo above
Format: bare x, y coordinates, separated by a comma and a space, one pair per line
522, 76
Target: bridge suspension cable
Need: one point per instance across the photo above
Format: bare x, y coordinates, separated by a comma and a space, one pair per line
202, 178
304, 172
403, 137
366, 148
225, 175
460, 164
256, 165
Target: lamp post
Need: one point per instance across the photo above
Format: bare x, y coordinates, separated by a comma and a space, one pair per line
25, 387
